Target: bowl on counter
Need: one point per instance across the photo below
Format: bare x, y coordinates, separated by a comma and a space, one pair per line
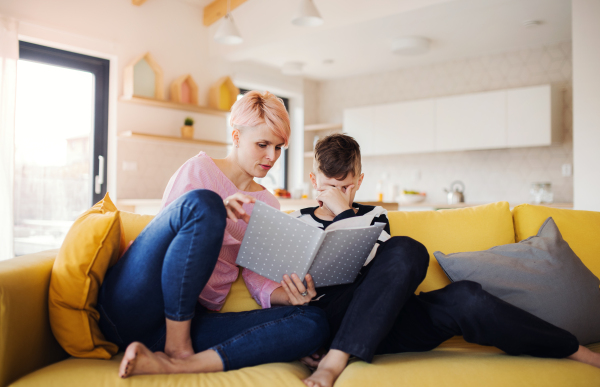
411, 198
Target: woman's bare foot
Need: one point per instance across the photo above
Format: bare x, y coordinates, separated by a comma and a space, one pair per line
139, 360
178, 343
329, 369
586, 356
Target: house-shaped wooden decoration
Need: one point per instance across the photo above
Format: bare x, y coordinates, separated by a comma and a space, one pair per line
184, 90
223, 94
143, 78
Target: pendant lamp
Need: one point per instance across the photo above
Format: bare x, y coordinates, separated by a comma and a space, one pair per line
228, 33
307, 15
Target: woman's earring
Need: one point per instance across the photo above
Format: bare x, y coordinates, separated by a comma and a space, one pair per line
237, 145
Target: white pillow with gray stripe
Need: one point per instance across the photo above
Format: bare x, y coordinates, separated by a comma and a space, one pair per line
541, 275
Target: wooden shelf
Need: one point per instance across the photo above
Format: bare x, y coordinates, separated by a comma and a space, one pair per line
315, 127
174, 105
146, 136
310, 154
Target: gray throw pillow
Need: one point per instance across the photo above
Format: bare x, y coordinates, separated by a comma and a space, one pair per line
541, 275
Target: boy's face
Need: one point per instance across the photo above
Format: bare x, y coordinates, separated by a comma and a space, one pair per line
321, 182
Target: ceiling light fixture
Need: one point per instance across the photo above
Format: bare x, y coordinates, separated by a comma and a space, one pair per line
292, 68
532, 23
410, 45
228, 33
307, 15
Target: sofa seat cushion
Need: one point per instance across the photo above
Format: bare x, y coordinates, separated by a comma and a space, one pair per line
452, 231
96, 372
458, 363
454, 363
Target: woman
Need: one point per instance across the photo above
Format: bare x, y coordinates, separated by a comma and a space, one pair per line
157, 297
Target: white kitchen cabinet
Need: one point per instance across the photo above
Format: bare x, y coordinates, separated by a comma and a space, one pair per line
405, 127
358, 123
534, 116
529, 116
471, 121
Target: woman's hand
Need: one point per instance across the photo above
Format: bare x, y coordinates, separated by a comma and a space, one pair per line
294, 288
233, 206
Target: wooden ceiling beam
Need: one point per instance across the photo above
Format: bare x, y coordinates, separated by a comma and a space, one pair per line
217, 9
138, 2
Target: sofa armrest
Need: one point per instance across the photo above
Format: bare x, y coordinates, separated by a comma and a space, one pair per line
26, 340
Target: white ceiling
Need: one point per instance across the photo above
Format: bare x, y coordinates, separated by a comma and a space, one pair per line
357, 34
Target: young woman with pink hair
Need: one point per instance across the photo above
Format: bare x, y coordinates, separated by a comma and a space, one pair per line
155, 302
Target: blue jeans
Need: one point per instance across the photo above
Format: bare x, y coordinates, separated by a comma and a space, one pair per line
164, 271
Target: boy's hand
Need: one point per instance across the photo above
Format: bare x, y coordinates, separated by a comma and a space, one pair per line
335, 199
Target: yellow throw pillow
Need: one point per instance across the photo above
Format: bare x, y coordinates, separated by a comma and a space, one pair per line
90, 247
452, 231
580, 229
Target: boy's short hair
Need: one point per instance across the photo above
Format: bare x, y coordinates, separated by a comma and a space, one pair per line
336, 156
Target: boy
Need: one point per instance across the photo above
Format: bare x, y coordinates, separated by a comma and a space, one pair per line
379, 313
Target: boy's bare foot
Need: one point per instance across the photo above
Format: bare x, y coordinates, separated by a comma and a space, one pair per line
329, 369
586, 356
139, 360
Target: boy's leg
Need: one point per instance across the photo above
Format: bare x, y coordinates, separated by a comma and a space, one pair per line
163, 271
464, 308
393, 276
363, 315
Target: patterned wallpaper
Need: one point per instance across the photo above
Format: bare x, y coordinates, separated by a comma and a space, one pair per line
490, 175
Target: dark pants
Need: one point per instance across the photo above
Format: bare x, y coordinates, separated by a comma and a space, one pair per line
379, 313
163, 272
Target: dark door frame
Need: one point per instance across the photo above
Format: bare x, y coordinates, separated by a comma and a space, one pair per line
100, 68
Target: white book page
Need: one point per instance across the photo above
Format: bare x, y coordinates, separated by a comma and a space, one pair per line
355, 221
276, 244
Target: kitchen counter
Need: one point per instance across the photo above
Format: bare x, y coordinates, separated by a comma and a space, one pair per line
151, 206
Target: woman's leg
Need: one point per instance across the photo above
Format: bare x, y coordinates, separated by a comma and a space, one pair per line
162, 274
229, 341
368, 311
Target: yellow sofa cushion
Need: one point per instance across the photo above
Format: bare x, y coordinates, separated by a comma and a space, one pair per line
581, 229
454, 363
90, 247
453, 231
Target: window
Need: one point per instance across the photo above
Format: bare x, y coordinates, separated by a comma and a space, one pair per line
61, 133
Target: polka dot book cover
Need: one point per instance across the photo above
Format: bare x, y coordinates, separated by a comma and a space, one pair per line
276, 244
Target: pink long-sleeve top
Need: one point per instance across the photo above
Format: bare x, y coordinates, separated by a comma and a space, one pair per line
201, 172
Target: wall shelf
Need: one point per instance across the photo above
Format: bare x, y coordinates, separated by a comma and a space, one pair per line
146, 136
309, 154
315, 127
174, 105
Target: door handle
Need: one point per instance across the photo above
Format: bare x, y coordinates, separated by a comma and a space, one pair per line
99, 178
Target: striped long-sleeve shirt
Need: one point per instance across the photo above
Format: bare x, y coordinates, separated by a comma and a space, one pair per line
369, 215
201, 172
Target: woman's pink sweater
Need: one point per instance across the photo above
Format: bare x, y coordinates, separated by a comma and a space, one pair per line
201, 172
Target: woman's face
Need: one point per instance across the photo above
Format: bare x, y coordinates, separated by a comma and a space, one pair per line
259, 148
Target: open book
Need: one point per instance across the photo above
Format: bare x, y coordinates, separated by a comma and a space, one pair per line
276, 244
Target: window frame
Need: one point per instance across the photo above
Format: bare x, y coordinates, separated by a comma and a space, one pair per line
100, 68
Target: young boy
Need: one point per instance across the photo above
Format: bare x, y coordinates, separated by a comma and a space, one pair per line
379, 313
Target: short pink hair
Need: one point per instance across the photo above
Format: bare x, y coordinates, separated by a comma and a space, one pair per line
256, 108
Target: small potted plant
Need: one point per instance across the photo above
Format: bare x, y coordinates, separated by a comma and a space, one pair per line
187, 130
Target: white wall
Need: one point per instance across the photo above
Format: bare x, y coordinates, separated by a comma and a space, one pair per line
492, 175
586, 103
173, 32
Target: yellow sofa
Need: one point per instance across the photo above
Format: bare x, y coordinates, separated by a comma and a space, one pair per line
30, 356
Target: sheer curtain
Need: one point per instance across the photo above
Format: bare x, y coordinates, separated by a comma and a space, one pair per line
9, 54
